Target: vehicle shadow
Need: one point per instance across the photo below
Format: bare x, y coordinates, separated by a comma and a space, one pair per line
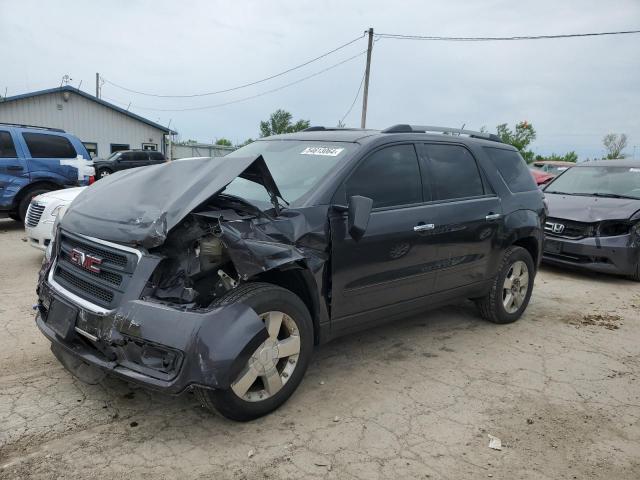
9, 225
579, 274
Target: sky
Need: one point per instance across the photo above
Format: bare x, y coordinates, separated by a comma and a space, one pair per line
573, 91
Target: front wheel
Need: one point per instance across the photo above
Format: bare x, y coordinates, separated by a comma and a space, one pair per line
511, 288
276, 368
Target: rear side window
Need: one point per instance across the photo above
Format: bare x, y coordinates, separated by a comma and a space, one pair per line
42, 145
512, 168
453, 172
390, 177
156, 156
7, 148
140, 156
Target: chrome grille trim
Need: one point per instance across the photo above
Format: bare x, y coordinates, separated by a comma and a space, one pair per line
34, 213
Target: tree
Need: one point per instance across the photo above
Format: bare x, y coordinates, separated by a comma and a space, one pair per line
280, 122
614, 144
246, 142
554, 157
224, 142
523, 135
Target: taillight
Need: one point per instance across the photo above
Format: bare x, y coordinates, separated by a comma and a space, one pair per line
92, 179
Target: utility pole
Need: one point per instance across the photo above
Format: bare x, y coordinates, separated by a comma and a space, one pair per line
365, 95
97, 85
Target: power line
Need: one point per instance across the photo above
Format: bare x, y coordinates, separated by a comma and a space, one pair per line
354, 100
226, 90
398, 36
245, 98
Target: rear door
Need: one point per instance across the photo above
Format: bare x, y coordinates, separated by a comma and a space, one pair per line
52, 156
466, 215
13, 169
392, 263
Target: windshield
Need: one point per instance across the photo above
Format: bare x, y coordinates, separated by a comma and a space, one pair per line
600, 180
296, 166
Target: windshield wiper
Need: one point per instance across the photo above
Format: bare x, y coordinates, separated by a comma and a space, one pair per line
609, 195
561, 193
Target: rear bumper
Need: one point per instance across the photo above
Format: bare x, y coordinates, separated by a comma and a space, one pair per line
155, 345
615, 255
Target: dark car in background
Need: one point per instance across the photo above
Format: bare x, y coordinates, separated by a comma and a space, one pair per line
125, 159
594, 218
220, 274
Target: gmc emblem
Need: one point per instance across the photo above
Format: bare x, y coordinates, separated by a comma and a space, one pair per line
88, 262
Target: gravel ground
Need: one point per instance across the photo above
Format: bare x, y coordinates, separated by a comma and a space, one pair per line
413, 399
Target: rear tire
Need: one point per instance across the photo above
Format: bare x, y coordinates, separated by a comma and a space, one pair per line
511, 288
636, 276
292, 319
15, 216
103, 172
26, 200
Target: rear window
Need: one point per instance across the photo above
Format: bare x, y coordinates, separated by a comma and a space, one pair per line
7, 149
42, 145
512, 169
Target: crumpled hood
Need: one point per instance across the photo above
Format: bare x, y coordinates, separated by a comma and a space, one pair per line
140, 206
590, 209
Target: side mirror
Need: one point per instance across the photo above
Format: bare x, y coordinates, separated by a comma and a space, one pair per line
359, 211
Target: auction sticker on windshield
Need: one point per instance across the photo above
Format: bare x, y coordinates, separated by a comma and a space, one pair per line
326, 151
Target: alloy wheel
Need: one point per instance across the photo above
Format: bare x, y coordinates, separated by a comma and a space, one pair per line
273, 362
515, 287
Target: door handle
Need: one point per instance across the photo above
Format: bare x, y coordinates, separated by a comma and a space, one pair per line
424, 227
14, 167
492, 216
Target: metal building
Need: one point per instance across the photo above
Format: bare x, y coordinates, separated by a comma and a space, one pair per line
103, 127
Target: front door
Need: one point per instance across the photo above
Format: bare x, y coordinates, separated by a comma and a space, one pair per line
393, 262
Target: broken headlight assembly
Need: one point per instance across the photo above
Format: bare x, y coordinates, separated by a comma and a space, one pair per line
613, 228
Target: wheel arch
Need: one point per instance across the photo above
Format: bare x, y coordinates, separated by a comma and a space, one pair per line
34, 186
299, 280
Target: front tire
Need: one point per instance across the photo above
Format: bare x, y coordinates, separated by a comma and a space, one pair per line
511, 288
276, 368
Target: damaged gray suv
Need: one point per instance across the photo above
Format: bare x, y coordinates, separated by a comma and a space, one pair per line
221, 274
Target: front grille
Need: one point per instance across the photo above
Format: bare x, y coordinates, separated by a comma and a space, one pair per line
83, 286
34, 212
104, 288
570, 228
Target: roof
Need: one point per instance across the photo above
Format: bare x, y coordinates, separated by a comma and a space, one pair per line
77, 91
360, 135
610, 163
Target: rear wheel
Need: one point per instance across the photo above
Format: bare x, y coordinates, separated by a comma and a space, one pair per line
277, 366
103, 172
511, 288
636, 275
26, 200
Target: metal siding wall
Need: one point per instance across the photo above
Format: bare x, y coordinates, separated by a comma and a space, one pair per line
88, 120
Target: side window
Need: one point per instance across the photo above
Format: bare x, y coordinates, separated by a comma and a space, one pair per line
7, 148
42, 145
126, 157
512, 168
390, 176
156, 156
140, 156
453, 172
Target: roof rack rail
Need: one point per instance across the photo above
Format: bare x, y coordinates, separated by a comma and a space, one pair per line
320, 128
32, 126
404, 128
